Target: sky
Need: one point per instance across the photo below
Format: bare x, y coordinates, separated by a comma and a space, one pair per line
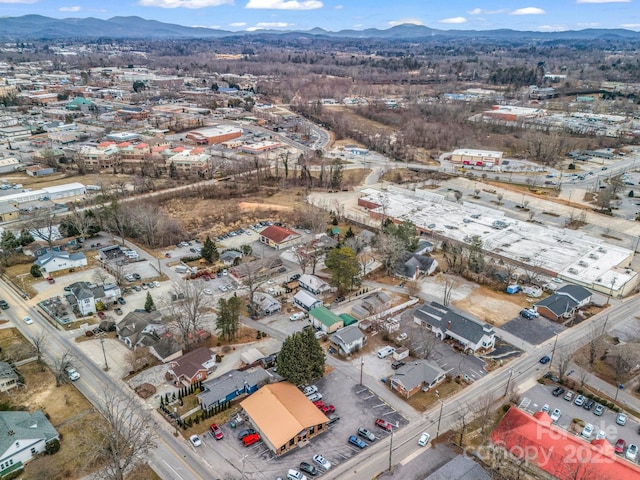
236, 15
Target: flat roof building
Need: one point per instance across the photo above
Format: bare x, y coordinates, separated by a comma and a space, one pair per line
211, 135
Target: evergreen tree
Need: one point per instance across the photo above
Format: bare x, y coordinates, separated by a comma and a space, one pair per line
344, 267
148, 304
301, 359
209, 251
228, 320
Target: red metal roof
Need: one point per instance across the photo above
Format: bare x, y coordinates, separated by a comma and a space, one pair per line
278, 234
537, 441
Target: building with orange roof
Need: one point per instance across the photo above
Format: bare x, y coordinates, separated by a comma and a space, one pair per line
279, 237
284, 417
552, 452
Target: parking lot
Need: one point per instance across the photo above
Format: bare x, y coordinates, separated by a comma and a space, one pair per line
356, 406
535, 398
534, 331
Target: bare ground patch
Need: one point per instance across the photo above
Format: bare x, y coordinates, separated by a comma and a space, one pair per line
491, 306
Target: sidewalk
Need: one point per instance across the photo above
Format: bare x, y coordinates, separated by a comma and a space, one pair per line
603, 388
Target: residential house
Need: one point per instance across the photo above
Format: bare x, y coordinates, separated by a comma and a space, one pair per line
137, 325
228, 257
366, 237
313, 284
413, 265
266, 304
460, 468
376, 302
545, 448
324, 319
192, 367
166, 348
348, 340
564, 302
54, 261
9, 212
8, 377
257, 269
306, 301
81, 294
415, 376
464, 333
284, 417
231, 385
23, 435
279, 237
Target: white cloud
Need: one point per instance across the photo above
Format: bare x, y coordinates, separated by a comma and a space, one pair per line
411, 21
339, 7
184, 3
484, 11
75, 8
214, 27
237, 24
551, 28
453, 20
284, 4
18, 1
263, 25
631, 26
528, 11
603, 1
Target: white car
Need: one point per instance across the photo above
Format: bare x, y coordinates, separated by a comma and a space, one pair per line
587, 431
296, 316
207, 291
195, 440
555, 415
315, 397
28, 320
424, 439
601, 435
323, 462
545, 408
156, 284
295, 475
632, 452
621, 419
310, 390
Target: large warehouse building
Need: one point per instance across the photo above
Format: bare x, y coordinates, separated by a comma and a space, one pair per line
216, 134
468, 156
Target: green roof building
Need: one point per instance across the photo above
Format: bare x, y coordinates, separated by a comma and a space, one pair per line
348, 319
325, 319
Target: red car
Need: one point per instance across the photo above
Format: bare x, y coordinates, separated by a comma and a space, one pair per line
383, 424
216, 432
101, 315
620, 444
51, 280
251, 439
327, 409
319, 404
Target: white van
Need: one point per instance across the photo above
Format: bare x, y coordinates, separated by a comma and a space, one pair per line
385, 352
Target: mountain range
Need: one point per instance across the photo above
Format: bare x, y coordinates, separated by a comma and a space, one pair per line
41, 27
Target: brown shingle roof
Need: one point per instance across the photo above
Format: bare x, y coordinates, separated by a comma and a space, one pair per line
281, 411
278, 234
190, 363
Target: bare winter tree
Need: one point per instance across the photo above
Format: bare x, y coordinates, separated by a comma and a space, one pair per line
60, 365
427, 347
43, 226
186, 311
254, 275
137, 358
81, 220
302, 256
594, 346
563, 362
448, 284
390, 250
39, 343
125, 438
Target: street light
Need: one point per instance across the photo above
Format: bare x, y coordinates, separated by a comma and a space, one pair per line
106, 365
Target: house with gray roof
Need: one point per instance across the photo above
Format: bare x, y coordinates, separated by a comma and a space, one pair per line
82, 296
465, 333
139, 324
266, 304
460, 468
54, 261
412, 265
415, 376
564, 302
23, 435
228, 257
231, 385
313, 284
8, 377
348, 340
307, 301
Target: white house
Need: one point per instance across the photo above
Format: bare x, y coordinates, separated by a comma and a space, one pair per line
22, 436
470, 335
313, 284
54, 261
348, 339
84, 297
306, 300
8, 377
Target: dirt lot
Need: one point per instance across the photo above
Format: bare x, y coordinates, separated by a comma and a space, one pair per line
491, 306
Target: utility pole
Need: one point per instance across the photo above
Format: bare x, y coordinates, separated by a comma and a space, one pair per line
553, 352
439, 417
390, 449
106, 365
361, 367
604, 327
506, 390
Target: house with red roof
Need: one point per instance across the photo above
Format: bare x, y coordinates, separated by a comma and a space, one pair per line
552, 452
279, 237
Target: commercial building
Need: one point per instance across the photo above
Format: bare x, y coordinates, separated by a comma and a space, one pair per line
279, 237
468, 156
211, 135
510, 113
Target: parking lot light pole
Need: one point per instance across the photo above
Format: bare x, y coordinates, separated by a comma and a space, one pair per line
106, 365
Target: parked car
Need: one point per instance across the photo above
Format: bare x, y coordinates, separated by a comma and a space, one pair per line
557, 391
632, 452
424, 439
295, 276
555, 415
156, 284
137, 276
195, 440
295, 475
308, 468
323, 462
599, 410
50, 279
588, 404
121, 301
310, 390
296, 316
579, 401
545, 408
545, 359
397, 364
353, 440
333, 419
207, 291
601, 435
621, 419
251, 439
315, 397
245, 432
216, 431
118, 310
327, 409
382, 423
587, 431
568, 396
620, 446
364, 433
